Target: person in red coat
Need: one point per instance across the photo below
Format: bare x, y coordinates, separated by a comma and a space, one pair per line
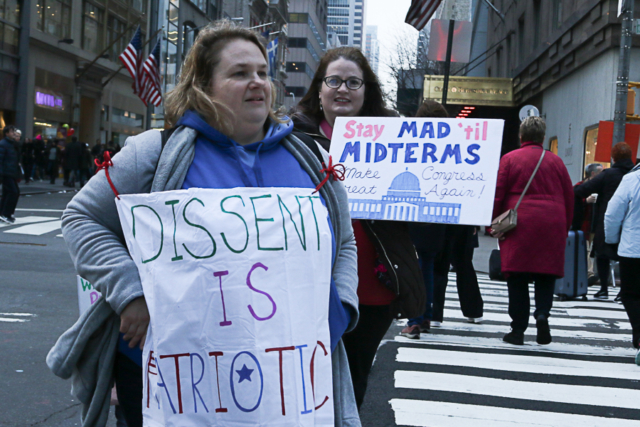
534, 250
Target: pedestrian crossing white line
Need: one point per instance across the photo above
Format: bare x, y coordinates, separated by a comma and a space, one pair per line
28, 220
10, 320
37, 229
519, 363
497, 343
439, 414
538, 391
39, 210
557, 311
621, 339
553, 320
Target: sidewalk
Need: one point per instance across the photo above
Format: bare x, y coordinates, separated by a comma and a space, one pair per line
44, 187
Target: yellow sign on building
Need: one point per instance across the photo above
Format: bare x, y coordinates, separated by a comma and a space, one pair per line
496, 92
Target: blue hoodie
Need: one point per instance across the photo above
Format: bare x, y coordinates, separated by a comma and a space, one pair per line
262, 164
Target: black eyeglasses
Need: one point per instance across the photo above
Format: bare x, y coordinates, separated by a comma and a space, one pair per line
352, 83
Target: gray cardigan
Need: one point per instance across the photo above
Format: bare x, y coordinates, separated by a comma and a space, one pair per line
91, 228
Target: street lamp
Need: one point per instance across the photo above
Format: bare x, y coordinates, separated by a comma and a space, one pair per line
294, 98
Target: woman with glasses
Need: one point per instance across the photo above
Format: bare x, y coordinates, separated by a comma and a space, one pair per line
389, 277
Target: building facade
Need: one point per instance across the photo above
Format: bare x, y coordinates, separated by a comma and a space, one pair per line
346, 19
563, 58
371, 47
307, 42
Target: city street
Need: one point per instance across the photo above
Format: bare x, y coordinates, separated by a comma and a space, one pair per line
462, 374
459, 374
38, 301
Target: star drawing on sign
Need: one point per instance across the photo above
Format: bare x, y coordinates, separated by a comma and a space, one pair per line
245, 373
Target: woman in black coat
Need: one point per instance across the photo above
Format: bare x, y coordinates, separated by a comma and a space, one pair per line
389, 277
604, 185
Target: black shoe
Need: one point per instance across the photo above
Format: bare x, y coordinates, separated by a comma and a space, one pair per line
544, 333
514, 337
593, 280
602, 294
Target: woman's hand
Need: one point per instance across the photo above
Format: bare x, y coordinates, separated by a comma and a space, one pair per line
134, 321
497, 234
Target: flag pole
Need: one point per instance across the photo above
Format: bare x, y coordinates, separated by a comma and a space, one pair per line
112, 75
86, 68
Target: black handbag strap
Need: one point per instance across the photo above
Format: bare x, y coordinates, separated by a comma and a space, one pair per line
530, 179
311, 143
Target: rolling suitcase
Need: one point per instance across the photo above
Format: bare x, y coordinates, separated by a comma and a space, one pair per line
574, 283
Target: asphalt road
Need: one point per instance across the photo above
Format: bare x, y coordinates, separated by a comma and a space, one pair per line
38, 301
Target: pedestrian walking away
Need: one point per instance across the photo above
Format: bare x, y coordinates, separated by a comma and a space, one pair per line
389, 277
225, 135
534, 250
429, 240
605, 185
622, 226
10, 172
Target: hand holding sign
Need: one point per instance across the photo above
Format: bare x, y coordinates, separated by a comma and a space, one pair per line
134, 321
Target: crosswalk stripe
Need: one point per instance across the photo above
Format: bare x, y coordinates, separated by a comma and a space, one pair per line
423, 413
543, 392
553, 321
621, 339
497, 343
558, 311
37, 229
28, 220
519, 363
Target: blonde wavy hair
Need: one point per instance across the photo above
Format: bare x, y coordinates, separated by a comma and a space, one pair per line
193, 91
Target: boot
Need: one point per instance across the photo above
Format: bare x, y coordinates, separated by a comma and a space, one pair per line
515, 337
544, 333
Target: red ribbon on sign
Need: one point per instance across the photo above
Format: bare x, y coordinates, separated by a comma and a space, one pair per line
105, 165
331, 171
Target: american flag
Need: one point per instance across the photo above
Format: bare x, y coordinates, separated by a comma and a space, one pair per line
131, 59
420, 12
150, 81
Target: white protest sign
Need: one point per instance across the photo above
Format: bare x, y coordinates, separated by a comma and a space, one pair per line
419, 169
237, 283
87, 295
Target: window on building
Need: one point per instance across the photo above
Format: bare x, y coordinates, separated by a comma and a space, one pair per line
521, 40
536, 23
344, 3
553, 145
10, 10
54, 17
92, 25
139, 5
344, 40
9, 40
590, 144
200, 4
299, 67
498, 61
507, 57
358, 14
214, 9
337, 21
298, 18
126, 118
188, 37
297, 42
338, 11
557, 13
115, 27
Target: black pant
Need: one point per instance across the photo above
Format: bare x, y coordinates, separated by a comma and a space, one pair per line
460, 254
630, 293
519, 306
362, 343
10, 195
604, 271
128, 377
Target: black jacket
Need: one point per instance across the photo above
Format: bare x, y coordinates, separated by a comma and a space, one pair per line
604, 184
9, 163
73, 156
393, 244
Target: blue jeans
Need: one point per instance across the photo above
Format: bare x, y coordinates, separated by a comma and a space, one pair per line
426, 264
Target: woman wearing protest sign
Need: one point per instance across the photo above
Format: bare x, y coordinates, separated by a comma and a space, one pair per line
226, 135
390, 281
534, 250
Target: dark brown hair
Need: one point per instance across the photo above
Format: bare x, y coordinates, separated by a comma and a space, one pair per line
194, 86
620, 151
373, 106
431, 108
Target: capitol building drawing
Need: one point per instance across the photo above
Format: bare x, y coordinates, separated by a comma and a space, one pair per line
404, 202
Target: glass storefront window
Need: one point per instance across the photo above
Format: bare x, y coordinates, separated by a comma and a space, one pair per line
590, 145
126, 118
92, 28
